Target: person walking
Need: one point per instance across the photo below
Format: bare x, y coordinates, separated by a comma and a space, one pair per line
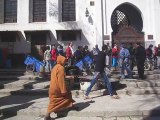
60, 97
99, 71
140, 54
124, 62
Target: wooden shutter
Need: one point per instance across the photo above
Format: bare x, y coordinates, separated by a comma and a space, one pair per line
1, 11
30, 11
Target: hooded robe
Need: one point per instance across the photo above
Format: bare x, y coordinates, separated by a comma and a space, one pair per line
60, 98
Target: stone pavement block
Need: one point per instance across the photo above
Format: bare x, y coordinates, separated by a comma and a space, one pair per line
86, 114
123, 113
79, 118
123, 118
110, 118
21, 117
137, 118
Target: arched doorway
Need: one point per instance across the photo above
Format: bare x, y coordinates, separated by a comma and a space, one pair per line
127, 24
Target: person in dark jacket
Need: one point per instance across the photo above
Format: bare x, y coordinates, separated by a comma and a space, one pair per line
140, 54
99, 71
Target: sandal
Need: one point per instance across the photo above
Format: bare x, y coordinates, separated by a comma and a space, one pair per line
115, 97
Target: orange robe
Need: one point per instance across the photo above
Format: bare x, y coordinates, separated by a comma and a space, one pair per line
60, 98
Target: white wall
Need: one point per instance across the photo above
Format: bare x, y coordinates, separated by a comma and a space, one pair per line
150, 10
91, 26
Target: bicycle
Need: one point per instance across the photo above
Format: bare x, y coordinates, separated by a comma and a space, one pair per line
149, 64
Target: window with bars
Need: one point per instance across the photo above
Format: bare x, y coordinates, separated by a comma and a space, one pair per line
10, 11
118, 20
68, 10
37, 10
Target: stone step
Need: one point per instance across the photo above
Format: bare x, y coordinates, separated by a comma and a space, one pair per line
77, 93
141, 83
12, 70
139, 91
149, 77
14, 73
24, 77
140, 106
24, 84
136, 72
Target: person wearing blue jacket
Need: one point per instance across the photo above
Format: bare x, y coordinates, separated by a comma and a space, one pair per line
124, 62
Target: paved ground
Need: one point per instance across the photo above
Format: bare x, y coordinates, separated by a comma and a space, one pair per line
99, 108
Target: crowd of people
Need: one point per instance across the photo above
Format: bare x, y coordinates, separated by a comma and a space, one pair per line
123, 58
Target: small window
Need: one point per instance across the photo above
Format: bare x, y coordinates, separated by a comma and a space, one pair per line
68, 10
10, 11
91, 3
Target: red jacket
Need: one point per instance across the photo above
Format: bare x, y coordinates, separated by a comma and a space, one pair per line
114, 53
54, 54
68, 52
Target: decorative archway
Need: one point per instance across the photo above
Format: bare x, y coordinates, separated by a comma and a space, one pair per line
127, 24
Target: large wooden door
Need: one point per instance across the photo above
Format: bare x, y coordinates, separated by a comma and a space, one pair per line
127, 35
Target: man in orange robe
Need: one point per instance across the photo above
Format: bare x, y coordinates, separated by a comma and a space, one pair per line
60, 98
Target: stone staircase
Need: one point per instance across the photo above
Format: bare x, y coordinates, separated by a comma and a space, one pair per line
29, 88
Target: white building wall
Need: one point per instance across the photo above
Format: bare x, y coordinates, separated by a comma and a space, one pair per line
150, 10
86, 24
91, 26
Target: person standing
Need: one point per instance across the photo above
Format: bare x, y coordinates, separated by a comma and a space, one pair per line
78, 55
69, 54
53, 56
108, 55
95, 52
140, 55
155, 51
115, 57
99, 71
124, 62
60, 50
47, 58
158, 56
149, 52
60, 97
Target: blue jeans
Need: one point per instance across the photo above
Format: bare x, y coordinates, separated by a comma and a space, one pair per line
48, 66
94, 80
125, 66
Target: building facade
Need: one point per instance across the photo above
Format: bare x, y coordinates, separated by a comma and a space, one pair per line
29, 24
